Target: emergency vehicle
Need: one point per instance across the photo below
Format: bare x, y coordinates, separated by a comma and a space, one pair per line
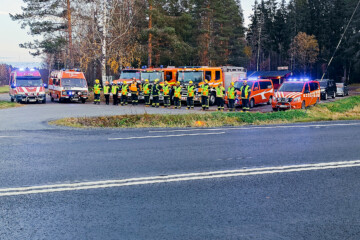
262, 91
296, 95
214, 76
127, 76
68, 85
26, 85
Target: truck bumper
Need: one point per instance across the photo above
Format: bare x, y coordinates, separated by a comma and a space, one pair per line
24, 98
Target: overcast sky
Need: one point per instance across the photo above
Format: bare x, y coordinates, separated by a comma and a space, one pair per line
12, 34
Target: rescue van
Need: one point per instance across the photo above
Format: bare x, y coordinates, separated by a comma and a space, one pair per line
127, 76
261, 91
26, 85
214, 76
296, 95
68, 85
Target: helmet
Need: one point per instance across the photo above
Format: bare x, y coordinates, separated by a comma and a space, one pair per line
177, 83
156, 80
97, 81
191, 82
232, 83
220, 84
166, 82
245, 82
146, 80
206, 81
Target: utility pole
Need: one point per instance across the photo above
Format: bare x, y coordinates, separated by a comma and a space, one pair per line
70, 34
150, 35
103, 62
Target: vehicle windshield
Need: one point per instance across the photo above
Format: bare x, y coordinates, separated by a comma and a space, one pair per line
129, 75
73, 82
239, 84
29, 82
196, 77
323, 84
291, 87
151, 76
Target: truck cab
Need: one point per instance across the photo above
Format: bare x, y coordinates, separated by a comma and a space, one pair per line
26, 85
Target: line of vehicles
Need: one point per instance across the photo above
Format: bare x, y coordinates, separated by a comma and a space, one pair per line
26, 85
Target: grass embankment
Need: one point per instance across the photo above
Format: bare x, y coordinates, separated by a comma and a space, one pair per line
4, 105
345, 109
4, 89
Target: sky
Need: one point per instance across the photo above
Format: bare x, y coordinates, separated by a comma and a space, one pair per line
12, 34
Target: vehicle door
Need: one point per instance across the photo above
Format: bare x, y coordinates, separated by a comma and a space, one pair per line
255, 92
266, 90
306, 95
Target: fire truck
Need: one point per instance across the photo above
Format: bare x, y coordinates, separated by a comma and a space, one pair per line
214, 76
68, 85
26, 85
127, 75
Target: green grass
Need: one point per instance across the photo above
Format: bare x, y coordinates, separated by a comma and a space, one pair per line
345, 109
4, 89
4, 105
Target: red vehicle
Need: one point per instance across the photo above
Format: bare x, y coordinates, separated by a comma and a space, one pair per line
26, 85
296, 95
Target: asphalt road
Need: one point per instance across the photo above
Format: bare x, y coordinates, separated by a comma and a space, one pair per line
227, 183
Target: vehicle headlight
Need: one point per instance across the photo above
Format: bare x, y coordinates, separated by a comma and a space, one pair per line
322, 90
278, 99
42, 93
298, 99
85, 93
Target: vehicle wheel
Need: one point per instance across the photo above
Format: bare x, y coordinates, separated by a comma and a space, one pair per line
212, 100
252, 103
12, 100
317, 102
275, 109
60, 100
52, 99
83, 100
334, 95
44, 100
326, 96
270, 100
303, 105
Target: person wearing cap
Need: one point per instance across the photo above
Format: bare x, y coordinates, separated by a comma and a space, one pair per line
205, 95
107, 92
245, 94
231, 97
134, 88
190, 95
124, 93
146, 90
220, 91
166, 93
115, 92
97, 91
155, 92
177, 96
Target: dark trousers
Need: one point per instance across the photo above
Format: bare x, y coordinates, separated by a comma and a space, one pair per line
115, 99
231, 104
245, 104
166, 101
156, 102
134, 98
220, 103
96, 98
124, 100
177, 102
107, 98
147, 100
205, 102
190, 102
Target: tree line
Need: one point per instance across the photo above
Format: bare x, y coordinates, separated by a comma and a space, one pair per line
104, 36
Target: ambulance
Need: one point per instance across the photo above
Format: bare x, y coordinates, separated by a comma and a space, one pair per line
296, 94
26, 85
68, 85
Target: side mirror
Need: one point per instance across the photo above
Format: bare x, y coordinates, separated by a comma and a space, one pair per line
45, 85
256, 89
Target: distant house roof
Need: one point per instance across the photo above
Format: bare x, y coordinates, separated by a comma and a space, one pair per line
269, 74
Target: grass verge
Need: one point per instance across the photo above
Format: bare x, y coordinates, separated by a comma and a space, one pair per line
4, 105
345, 109
4, 89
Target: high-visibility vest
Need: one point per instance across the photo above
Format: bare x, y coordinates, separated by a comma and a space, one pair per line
231, 92
97, 88
166, 90
124, 90
177, 92
134, 87
106, 89
245, 92
205, 90
114, 89
220, 91
155, 90
191, 91
146, 89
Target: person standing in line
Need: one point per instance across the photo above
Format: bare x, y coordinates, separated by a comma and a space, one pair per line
205, 96
177, 96
190, 95
231, 97
166, 92
155, 92
124, 94
146, 90
107, 93
220, 90
97, 91
245, 94
115, 91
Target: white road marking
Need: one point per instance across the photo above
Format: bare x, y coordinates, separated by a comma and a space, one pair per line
166, 136
174, 178
7, 136
264, 127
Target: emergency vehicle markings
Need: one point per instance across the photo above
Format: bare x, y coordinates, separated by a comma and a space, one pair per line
166, 136
174, 178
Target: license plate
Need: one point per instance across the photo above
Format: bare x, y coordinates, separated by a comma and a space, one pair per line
75, 99
284, 106
183, 98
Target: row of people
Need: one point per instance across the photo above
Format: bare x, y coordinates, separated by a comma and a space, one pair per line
154, 91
